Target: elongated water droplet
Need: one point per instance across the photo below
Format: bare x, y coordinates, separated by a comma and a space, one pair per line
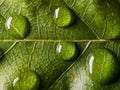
18, 26
27, 81
67, 51
103, 66
63, 17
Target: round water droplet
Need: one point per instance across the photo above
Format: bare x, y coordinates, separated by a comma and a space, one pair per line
103, 66
27, 81
63, 17
67, 51
18, 26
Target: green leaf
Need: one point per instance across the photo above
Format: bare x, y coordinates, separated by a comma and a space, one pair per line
77, 77
40, 14
36, 56
93, 21
54, 72
102, 17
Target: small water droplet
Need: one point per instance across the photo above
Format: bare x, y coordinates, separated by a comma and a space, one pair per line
63, 17
18, 26
27, 81
103, 66
67, 50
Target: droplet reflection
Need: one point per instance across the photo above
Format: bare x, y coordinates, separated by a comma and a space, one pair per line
57, 12
91, 63
59, 47
8, 22
14, 82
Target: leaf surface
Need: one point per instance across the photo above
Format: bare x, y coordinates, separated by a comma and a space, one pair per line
40, 14
102, 17
38, 51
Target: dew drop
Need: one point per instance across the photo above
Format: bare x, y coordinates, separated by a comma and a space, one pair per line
27, 81
103, 66
67, 50
63, 17
18, 26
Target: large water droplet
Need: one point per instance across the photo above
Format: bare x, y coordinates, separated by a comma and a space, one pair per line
63, 17
27, 81
103, 66
67, 50
18, 26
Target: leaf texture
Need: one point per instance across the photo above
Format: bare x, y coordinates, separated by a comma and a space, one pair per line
95, 21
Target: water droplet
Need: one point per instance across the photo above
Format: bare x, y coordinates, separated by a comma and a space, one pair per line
63, 17
27, 81
103, 66
18, 26
67, 50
